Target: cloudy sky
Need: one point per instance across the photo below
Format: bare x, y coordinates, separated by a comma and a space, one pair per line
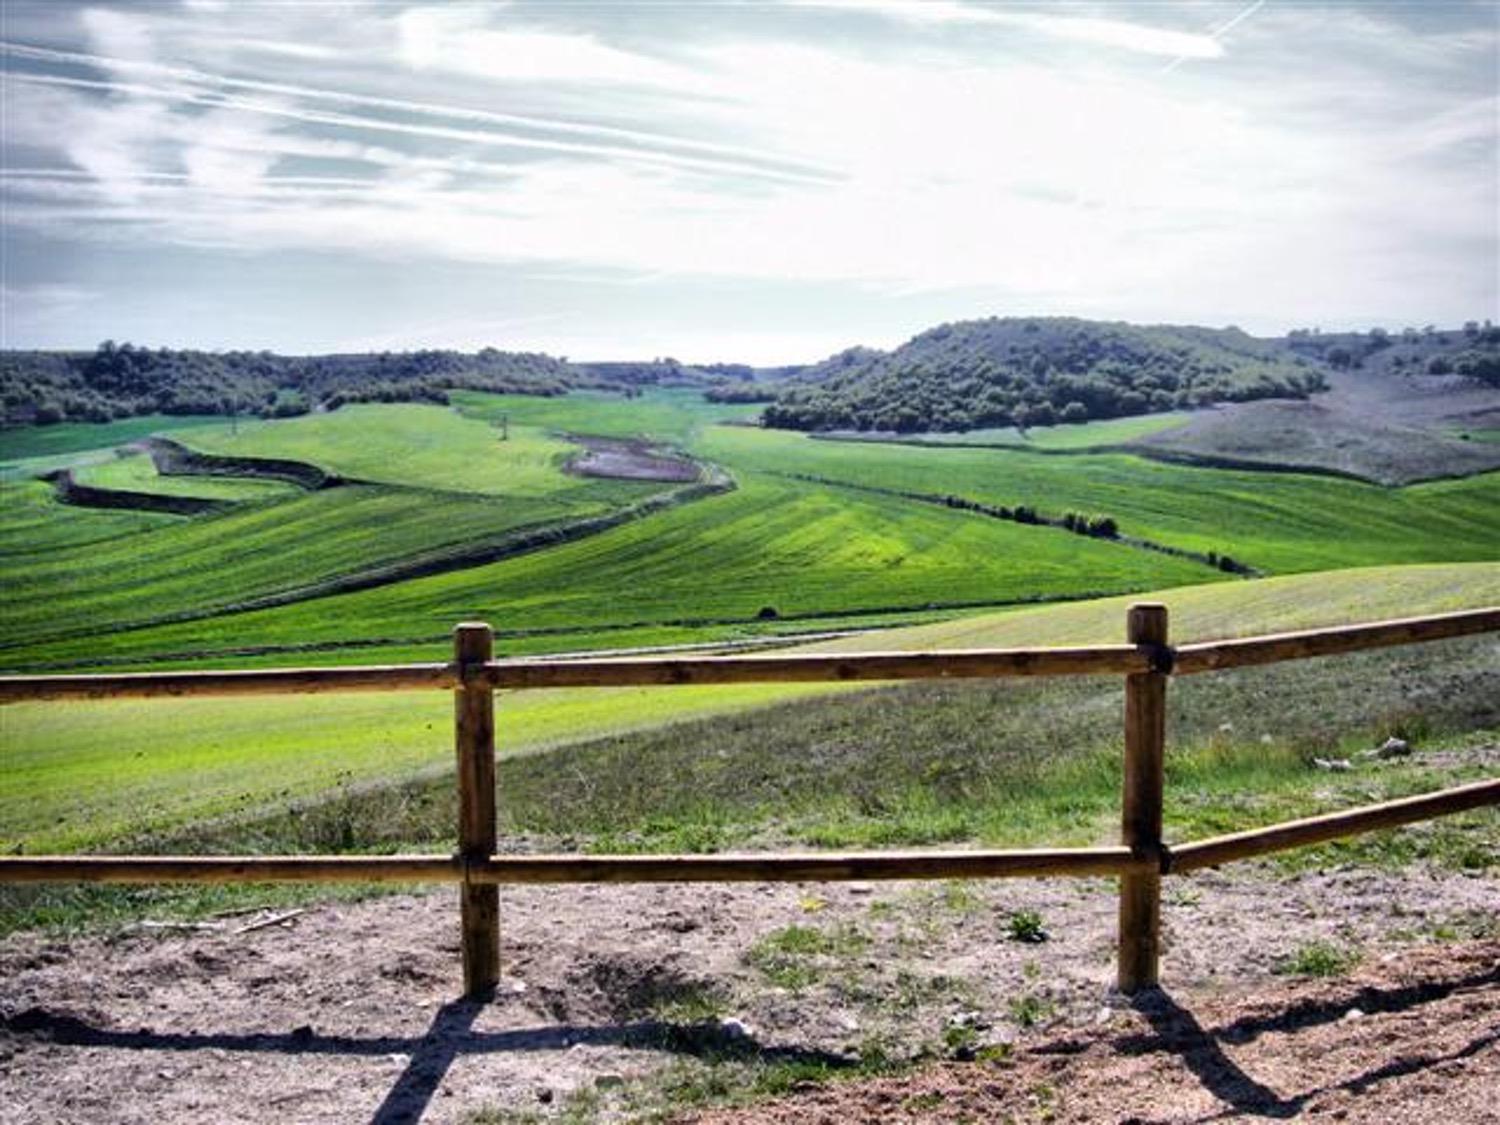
759, 181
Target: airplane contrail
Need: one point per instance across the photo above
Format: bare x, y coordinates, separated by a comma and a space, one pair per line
1235, 21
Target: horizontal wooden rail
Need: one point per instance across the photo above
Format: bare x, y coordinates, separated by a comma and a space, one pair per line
811, 868
821, 667
793, 868
231, 869
515, 674
250, 681
1330, 826
1211, 656
779, 668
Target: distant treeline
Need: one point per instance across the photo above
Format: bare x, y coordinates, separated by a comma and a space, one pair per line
1472, 351
118, 381
1037, 372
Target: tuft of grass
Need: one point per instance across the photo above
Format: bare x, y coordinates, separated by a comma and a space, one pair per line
1319, 959
1026, 925
1030, 1009
794, 957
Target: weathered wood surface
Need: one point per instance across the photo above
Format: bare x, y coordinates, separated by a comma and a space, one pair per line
819, 667
810, 867
516, 674
250, 681
1330, 826
231, 869
474, 741
1214, 655
1141, 805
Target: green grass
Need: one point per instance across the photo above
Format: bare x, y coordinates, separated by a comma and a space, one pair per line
19, 442
253, 550
1319, 959
33, 525
86, 774
1298, 601
134, 472
1279, 522
671, 414
1087, 435
1490, 436
417, 446
807, 550
796, 548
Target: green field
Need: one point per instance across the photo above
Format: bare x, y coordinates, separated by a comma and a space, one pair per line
134, 472
795, 548
671, 414
430, 447
1278, 522
33, 525
92, 774
1086, 435
818, 551
23, 442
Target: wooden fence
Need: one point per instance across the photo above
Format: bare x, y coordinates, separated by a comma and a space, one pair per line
1147, 662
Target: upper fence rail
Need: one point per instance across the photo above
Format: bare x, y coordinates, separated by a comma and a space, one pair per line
1083, 660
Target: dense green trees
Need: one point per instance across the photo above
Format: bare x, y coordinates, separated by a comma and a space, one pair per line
1036, 372
116, 381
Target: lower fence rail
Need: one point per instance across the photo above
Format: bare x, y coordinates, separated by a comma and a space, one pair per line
809, 867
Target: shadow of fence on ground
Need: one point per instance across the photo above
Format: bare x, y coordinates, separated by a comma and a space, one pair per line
450, 1036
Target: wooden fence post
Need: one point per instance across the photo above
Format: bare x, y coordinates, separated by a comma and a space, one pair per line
1145, 739
474, 724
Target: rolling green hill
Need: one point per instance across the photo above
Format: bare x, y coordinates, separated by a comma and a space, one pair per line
1035, 371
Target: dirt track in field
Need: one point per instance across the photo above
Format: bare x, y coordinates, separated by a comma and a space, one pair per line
350, 1012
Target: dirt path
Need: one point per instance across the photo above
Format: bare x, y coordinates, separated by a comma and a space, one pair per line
347, 1013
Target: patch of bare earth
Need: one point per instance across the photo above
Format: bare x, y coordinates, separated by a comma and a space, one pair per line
623, 459
1385, 427
350, 1012
1414, 1037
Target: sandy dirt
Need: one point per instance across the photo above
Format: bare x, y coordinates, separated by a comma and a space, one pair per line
618, 459
350, 1012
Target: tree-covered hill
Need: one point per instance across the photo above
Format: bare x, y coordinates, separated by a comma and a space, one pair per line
1471, 352
1037, 371
118, 381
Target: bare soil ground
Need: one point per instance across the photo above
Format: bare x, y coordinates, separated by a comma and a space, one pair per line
629, 460
350, 1012
1414, 1037
1387, 427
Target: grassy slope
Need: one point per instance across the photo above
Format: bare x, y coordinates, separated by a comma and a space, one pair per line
1280, 522
267, 548
82, 774
73, 437
33, 524
481, 489
416, 446
135, 472
1088, 435
672, 414
797, 547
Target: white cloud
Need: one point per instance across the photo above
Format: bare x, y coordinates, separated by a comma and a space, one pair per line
1092, 30
1090, 185
461, 39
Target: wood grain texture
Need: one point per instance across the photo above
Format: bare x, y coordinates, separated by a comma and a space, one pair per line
1141, 804
1330, 826
474, 741
1272, 649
